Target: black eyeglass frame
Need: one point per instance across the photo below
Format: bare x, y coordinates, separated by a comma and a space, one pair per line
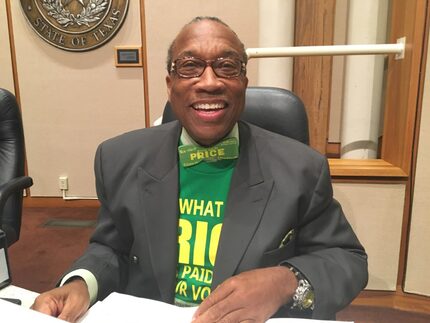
208, 62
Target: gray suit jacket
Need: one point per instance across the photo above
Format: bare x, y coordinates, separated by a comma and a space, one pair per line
278, 185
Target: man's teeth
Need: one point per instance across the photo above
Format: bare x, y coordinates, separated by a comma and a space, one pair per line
209, 106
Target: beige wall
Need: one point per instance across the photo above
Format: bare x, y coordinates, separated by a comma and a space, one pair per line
375, 211
6, 76
417, 280
73, 101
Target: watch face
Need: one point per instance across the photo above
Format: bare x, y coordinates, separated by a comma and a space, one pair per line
308, 299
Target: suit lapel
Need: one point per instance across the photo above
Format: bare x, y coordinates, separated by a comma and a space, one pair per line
249, 193
158, 185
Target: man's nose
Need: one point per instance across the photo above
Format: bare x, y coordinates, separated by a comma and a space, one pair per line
209, 80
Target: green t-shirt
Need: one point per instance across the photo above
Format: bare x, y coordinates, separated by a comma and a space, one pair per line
202, 199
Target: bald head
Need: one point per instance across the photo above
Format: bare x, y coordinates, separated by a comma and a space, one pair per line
193, 24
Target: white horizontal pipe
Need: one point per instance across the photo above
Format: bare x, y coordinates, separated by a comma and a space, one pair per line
368, 49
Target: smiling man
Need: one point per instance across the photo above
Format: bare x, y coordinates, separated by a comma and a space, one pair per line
211, 211
207, 101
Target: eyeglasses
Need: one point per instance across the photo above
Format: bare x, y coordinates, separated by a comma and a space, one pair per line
225, 67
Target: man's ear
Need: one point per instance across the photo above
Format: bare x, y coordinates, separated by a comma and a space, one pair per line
168, 85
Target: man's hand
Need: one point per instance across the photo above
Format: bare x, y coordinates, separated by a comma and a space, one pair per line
68, 302
252, 296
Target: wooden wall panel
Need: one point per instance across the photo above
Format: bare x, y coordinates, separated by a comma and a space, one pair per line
407, 20
312, 75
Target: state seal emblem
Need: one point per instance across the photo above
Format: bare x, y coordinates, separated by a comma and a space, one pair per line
75, 25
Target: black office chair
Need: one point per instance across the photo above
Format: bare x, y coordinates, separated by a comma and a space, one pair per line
277, 110
12, 179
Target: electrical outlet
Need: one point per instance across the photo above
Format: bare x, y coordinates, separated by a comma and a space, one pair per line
63, 182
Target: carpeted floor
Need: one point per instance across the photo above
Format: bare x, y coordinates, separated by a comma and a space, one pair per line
51, 238
46, 248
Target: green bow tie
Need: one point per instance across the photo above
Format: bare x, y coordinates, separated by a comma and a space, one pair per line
190, 155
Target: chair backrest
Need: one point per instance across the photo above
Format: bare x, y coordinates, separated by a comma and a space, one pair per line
274, 109
11, 162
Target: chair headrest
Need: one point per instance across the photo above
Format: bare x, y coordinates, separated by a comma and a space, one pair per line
274, 109
11, 138
9, 107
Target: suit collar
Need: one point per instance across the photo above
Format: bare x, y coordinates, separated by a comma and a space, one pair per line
186, 139
248, 167
163, 150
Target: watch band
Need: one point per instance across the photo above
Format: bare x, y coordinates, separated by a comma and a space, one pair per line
303, 298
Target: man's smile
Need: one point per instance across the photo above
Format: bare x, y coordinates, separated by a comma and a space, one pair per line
209, 106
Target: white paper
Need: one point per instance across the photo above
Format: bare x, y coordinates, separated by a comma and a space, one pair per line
10, 312
4, 273
130, 309
27, 297
127, 309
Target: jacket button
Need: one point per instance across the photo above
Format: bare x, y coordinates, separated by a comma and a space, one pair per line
134, 259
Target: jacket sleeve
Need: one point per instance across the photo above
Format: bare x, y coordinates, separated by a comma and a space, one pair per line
107, 253
328, 253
